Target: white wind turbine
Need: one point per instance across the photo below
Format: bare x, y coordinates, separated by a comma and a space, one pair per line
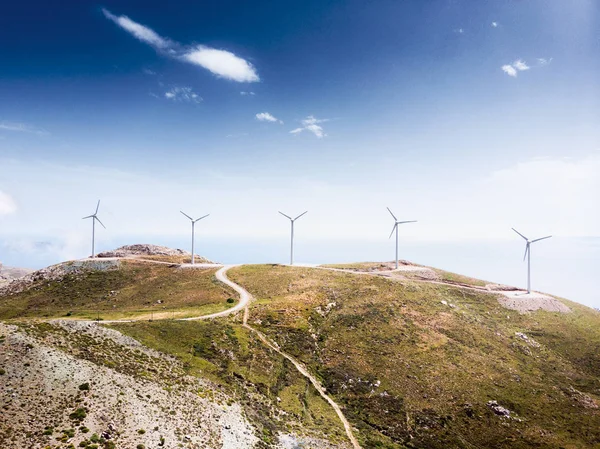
94, 217
528, 256
193, 224
395, 228
292, 220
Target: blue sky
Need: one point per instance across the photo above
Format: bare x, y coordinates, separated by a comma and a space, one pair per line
471, 117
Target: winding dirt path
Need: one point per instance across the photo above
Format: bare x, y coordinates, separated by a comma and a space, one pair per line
245, 299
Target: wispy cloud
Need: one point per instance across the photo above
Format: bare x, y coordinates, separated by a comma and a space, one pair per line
266, 117
459, 31
520, 65
311, 124
7, 204
183, 94
494, 24
544, 61
247, 94
149, 72
22, 128
141, 32
222, 63
513, 69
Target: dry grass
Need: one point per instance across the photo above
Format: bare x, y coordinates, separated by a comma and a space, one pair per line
134, 289
413, 371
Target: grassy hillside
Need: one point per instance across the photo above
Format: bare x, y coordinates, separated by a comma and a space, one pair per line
133, 288
427, 273
411, 371
276, 397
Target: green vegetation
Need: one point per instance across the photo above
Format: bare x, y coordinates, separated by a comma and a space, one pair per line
134, 289
233, 357
79, 414
410, 371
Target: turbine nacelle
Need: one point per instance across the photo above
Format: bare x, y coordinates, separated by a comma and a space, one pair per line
529, 242
95, 215
290, 218
397, 222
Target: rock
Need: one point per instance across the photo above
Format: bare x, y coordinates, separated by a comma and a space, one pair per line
498, 409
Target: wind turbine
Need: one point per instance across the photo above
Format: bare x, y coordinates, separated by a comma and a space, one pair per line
395, 228
292, 220
94, 217
528, 256
193, 223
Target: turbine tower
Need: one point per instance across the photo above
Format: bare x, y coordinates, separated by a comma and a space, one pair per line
292, 220
94, 217
395, 228
528, 256
193, 223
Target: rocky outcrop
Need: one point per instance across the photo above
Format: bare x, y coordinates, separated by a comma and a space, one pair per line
143, 249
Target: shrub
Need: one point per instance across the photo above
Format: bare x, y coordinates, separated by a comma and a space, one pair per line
79, 414
84, 387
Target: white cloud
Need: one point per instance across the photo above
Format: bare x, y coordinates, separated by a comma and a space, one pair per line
512, 69
509, 70
311, 124
141, 32
7, 204
459, 31
149, 72
183, 94
266, 117
22, 127
246, 94
520, 65
494, 24
544, 61
222, 63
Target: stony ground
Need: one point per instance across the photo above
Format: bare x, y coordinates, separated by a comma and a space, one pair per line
69, 384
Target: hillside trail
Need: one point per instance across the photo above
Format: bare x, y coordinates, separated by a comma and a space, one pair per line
245, 299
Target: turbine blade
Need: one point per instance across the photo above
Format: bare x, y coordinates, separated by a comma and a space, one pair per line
300, 215
543, 238
186, 215
100, 222
410, 221
393, 229
198, 219
519, 233
287, 216
97, 207
526, 250
392, 213
89, 216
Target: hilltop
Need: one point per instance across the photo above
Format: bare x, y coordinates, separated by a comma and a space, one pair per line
414, 358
